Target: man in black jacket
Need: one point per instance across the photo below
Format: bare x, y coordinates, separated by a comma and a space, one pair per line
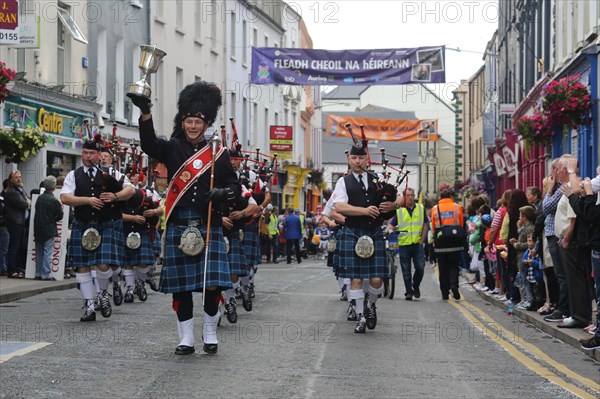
16, 209
48, 211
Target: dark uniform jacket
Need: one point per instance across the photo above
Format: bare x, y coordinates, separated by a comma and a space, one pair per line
173, 153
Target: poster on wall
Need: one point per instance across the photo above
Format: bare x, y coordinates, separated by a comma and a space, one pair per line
281, 141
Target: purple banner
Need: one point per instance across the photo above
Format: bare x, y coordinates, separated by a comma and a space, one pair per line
308, 67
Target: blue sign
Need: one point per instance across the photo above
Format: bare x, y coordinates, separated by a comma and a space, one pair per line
307, 67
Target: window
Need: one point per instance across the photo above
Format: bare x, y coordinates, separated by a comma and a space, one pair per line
101, 78
60, 53
245, 116
70, 25
244, 42
160, 8
119, 79
255, 37
179, 15
213, 25
135, 111
178, 81
197, 78
254, 120
232, 108
266, 41
232, 48
198, 24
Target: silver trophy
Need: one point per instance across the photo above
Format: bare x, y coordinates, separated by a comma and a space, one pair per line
151, 59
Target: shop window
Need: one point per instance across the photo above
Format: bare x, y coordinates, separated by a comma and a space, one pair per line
59, 164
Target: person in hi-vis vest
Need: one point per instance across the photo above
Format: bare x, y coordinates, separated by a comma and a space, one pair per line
412, 224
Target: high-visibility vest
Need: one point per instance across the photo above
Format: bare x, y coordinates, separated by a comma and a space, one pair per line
302, 224
410, 227
273, 229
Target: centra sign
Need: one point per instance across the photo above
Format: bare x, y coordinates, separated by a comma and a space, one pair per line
50, 122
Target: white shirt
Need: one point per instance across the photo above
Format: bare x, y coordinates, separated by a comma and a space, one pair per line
69, 183
329, 207
340, 194
562, 217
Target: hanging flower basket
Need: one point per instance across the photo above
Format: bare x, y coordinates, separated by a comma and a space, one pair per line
6, 76
566, 103
534, 129
18, 146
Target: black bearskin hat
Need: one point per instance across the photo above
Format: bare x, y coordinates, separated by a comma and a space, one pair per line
94, 144
358, 150
199, 99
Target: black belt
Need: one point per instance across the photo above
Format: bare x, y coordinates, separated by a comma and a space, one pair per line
186, 222
94, 221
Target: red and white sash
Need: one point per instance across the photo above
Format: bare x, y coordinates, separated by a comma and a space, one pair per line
192, 168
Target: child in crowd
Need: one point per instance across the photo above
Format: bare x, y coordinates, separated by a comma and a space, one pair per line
526, 220
532, 270
323, 233
477, 255
486, 279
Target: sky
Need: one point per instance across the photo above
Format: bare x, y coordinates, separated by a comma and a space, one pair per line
362, 24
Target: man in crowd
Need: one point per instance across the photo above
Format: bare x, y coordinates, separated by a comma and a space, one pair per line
17, 206
48, 211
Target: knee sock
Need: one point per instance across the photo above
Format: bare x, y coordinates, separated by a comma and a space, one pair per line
374, 294
230, 293
358, 296
244, 282
142, 273
211, 302
103, 279
183, 305
129, 275
95, 280
341, 282
116, 275
86, 286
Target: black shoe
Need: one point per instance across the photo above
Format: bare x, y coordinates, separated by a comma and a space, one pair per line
555, 316
231, 312
97, 303
591, 344
141, 290
246, 301
89, 314
105, 308
408, 297
117, 294
71, 273
361, 325
66, 276
184, 350
455, 294
371, 317
416, 292
289, 262
238, 293
129, 296
152, 283
251, 290
210, 349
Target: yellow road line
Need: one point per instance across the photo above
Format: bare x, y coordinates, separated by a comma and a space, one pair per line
537, 352
23, 351
525, 360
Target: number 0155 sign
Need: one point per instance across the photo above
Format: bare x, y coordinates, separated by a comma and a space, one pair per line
9, 22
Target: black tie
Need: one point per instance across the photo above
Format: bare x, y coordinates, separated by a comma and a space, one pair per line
360, 180
91, 173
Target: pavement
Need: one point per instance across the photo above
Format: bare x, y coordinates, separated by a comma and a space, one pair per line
15, 289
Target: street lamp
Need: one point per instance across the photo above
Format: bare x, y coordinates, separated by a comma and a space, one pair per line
345, 103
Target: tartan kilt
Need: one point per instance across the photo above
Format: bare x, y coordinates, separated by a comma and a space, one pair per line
352, 266
111, 249
180, 272
143, 256
156, 244
251, 244
236, 257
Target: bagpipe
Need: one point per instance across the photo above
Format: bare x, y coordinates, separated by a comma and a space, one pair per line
386, 190
127, 161
262, 166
